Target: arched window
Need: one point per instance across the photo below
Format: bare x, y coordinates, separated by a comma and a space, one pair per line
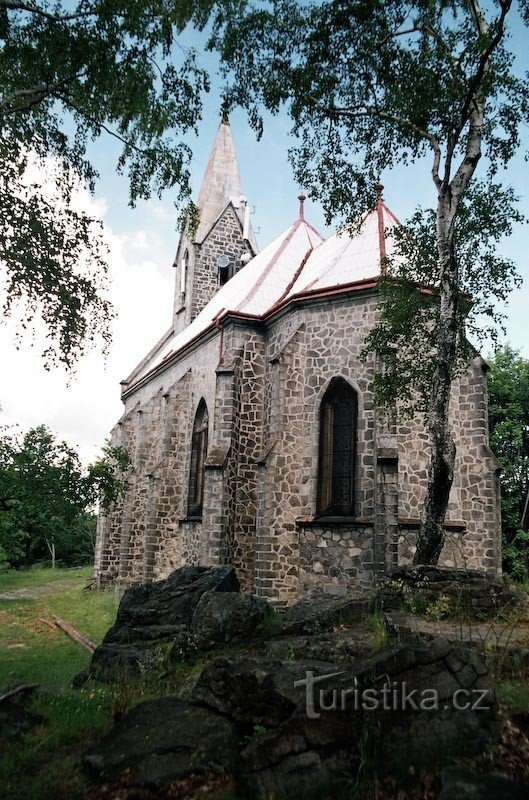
338, 418
199, 448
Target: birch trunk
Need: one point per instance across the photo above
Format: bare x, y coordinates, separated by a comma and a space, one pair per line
443, 449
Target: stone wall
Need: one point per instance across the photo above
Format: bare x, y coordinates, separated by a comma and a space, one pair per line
263, 392
333, 559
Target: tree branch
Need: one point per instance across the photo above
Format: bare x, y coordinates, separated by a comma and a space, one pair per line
11, 5
356, 113
38, 92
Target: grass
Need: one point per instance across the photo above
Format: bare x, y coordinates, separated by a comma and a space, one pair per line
30, 652
47, 760
40, 577
514, 694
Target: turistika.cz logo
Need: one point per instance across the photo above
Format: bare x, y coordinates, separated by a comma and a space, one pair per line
390, 696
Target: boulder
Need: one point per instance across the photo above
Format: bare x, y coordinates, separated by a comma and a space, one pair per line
15, 718
155, 615
253, 691
226, 617
112, 663
157, 611
160, 741
321, 612
460, 783
403, 702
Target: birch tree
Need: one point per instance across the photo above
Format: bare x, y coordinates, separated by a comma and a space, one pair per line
70, 73
371, 84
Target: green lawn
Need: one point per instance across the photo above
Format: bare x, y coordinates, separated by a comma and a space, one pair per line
46, 761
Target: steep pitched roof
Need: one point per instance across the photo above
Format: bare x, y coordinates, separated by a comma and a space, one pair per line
298, 264
345, 259
221, 183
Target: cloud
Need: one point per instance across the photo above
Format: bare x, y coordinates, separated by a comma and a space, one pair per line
82, 408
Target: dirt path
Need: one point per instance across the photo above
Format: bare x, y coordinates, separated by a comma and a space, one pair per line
37, 592
493, 633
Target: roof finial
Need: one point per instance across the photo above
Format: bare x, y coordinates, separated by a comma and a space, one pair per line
380, 188
301, 198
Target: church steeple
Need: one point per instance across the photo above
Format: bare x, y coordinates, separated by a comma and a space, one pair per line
221, 181
223, 241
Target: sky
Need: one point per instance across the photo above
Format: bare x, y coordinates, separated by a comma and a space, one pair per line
83, 407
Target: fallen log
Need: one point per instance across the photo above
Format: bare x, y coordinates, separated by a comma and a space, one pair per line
82, 641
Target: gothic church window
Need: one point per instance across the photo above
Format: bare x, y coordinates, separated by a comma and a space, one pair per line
199, 448
337, 453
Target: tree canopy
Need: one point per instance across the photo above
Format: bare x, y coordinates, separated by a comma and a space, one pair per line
47, 499
69, 73
509, 431
369, 85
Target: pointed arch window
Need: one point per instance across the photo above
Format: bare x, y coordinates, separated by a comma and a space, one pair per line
199, 448
337, 450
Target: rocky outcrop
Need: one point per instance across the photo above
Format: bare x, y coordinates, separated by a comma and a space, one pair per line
460, 783
223, 618
468, 592
153, 615
320, 612
163, 740
406, 702
340, 647
253, 691
282, 725
158, 610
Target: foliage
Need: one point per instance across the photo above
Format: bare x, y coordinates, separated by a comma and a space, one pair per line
405, 337
47, 498
70, 72
509, 436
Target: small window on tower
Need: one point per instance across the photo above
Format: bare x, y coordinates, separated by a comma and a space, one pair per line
225, 269
183, 273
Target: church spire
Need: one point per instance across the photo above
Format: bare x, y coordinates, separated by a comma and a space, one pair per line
221, 180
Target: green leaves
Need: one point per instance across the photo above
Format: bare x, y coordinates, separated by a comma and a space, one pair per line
70, 73
46, 497
509, 436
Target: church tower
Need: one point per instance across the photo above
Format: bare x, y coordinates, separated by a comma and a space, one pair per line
223, 241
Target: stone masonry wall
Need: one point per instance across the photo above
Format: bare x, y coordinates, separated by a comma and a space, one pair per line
263, 393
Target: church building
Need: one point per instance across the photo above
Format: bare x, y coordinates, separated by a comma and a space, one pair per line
252, 428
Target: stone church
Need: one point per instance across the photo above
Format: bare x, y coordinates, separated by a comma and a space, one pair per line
252, 428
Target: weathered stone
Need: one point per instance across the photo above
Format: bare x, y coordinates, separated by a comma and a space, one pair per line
15, 718
227, 617
340, 647
162, 740
321, 612
400, 725
112, 663
460, 783
254, 691
155, 615
159, 610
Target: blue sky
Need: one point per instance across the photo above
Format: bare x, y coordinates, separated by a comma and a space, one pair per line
83, 408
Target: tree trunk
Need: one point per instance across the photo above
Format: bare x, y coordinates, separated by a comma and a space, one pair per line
441, 471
